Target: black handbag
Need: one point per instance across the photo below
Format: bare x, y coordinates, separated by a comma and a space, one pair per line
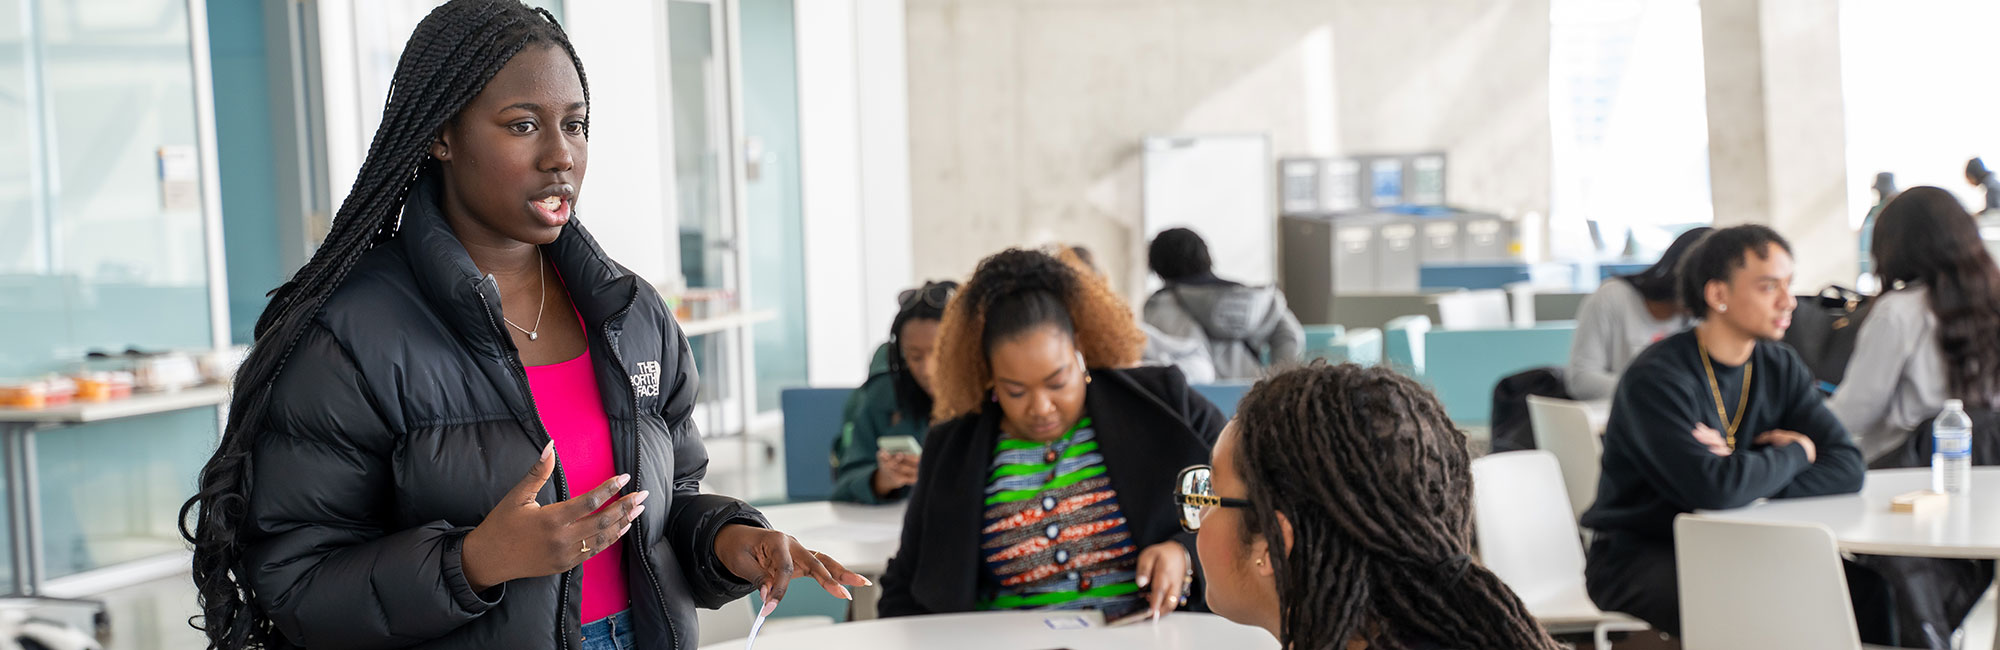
1824, 329
1511, 427
1916, 452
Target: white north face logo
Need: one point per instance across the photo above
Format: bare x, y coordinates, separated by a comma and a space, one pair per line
646, 381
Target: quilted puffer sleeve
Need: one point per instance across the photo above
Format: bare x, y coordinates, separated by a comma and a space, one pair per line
319, 558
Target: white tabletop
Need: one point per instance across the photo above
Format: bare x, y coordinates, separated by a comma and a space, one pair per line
1019, 631
713, 324
1967, 527
861, 537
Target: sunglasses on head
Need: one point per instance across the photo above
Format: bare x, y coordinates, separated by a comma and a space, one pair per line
935, 294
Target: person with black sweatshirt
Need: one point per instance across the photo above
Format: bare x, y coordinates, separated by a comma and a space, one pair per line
1712, 418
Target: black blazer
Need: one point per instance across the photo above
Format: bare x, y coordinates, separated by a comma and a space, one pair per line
1149, 427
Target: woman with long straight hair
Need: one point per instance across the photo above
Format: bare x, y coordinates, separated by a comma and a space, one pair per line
462, 425
1933, 336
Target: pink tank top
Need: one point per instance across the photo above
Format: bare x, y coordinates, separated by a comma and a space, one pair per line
567, 399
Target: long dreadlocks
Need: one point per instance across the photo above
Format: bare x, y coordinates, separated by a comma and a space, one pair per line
1377, 487
450, 58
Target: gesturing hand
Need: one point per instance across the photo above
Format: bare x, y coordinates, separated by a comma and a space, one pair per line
524, 539
1712, 439
770, 559
1781, 437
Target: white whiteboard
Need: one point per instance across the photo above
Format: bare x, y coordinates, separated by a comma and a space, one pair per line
1219, 186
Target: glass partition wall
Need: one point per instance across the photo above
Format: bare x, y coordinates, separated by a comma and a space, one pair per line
107, 199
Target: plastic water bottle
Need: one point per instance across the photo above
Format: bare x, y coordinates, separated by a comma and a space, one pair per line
1951, 448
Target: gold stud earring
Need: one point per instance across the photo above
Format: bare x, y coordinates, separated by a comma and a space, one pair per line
1260, 561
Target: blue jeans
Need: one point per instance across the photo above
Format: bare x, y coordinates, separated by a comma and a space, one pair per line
612, 632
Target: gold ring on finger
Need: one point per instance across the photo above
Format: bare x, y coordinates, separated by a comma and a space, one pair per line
586, 547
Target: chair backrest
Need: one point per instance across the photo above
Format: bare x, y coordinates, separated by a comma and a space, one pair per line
1225, 396
812, 422
1558, 305
1320, 336
1521, 303
1521, 516
728, 622
1761, 585
1464, 365
1563, 428
1361, 345
1485, 308
1403, 343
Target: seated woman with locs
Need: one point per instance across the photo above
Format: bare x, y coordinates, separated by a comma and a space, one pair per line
1338, 515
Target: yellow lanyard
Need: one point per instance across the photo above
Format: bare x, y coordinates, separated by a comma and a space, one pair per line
1716, 390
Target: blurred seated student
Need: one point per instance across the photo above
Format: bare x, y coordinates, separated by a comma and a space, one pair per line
1930, 338
895, 401
1242, 325
1047, 482
1622, 317
1338, 516
1885, 189
1190, 354
1713, 418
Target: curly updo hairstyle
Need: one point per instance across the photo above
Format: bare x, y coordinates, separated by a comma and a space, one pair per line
1014, 292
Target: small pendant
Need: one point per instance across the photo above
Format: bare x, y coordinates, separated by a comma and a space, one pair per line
532, 336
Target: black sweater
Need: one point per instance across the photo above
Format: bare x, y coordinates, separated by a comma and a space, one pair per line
1654, 469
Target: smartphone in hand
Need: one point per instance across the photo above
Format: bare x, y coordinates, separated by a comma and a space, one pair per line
900, 445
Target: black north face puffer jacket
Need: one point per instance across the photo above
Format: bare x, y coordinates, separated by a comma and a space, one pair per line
404, 415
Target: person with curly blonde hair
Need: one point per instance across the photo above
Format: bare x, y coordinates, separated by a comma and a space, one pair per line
1047, 483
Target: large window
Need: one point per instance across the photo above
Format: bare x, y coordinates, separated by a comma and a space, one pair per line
1629, 119
1919, 94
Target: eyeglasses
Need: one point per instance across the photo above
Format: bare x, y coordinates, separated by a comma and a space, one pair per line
935, 294
1196, 497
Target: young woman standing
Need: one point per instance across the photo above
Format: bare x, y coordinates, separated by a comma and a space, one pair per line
457, 330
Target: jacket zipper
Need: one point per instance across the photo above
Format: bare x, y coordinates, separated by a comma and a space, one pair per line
638, 462
562, 483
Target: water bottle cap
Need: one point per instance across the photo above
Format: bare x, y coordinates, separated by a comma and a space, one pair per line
1954, 404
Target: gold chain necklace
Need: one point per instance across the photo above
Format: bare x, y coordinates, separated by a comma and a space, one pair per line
1716, 390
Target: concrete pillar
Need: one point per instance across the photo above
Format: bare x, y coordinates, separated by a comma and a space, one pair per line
1776, 129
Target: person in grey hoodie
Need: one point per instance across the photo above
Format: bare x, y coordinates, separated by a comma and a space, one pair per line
1246, 327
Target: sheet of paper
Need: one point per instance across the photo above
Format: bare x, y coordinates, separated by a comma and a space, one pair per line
852, 532
751, 642
1066, 622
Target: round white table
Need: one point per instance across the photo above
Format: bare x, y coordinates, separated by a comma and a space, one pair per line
861, 537
1044, 630
1967, 527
